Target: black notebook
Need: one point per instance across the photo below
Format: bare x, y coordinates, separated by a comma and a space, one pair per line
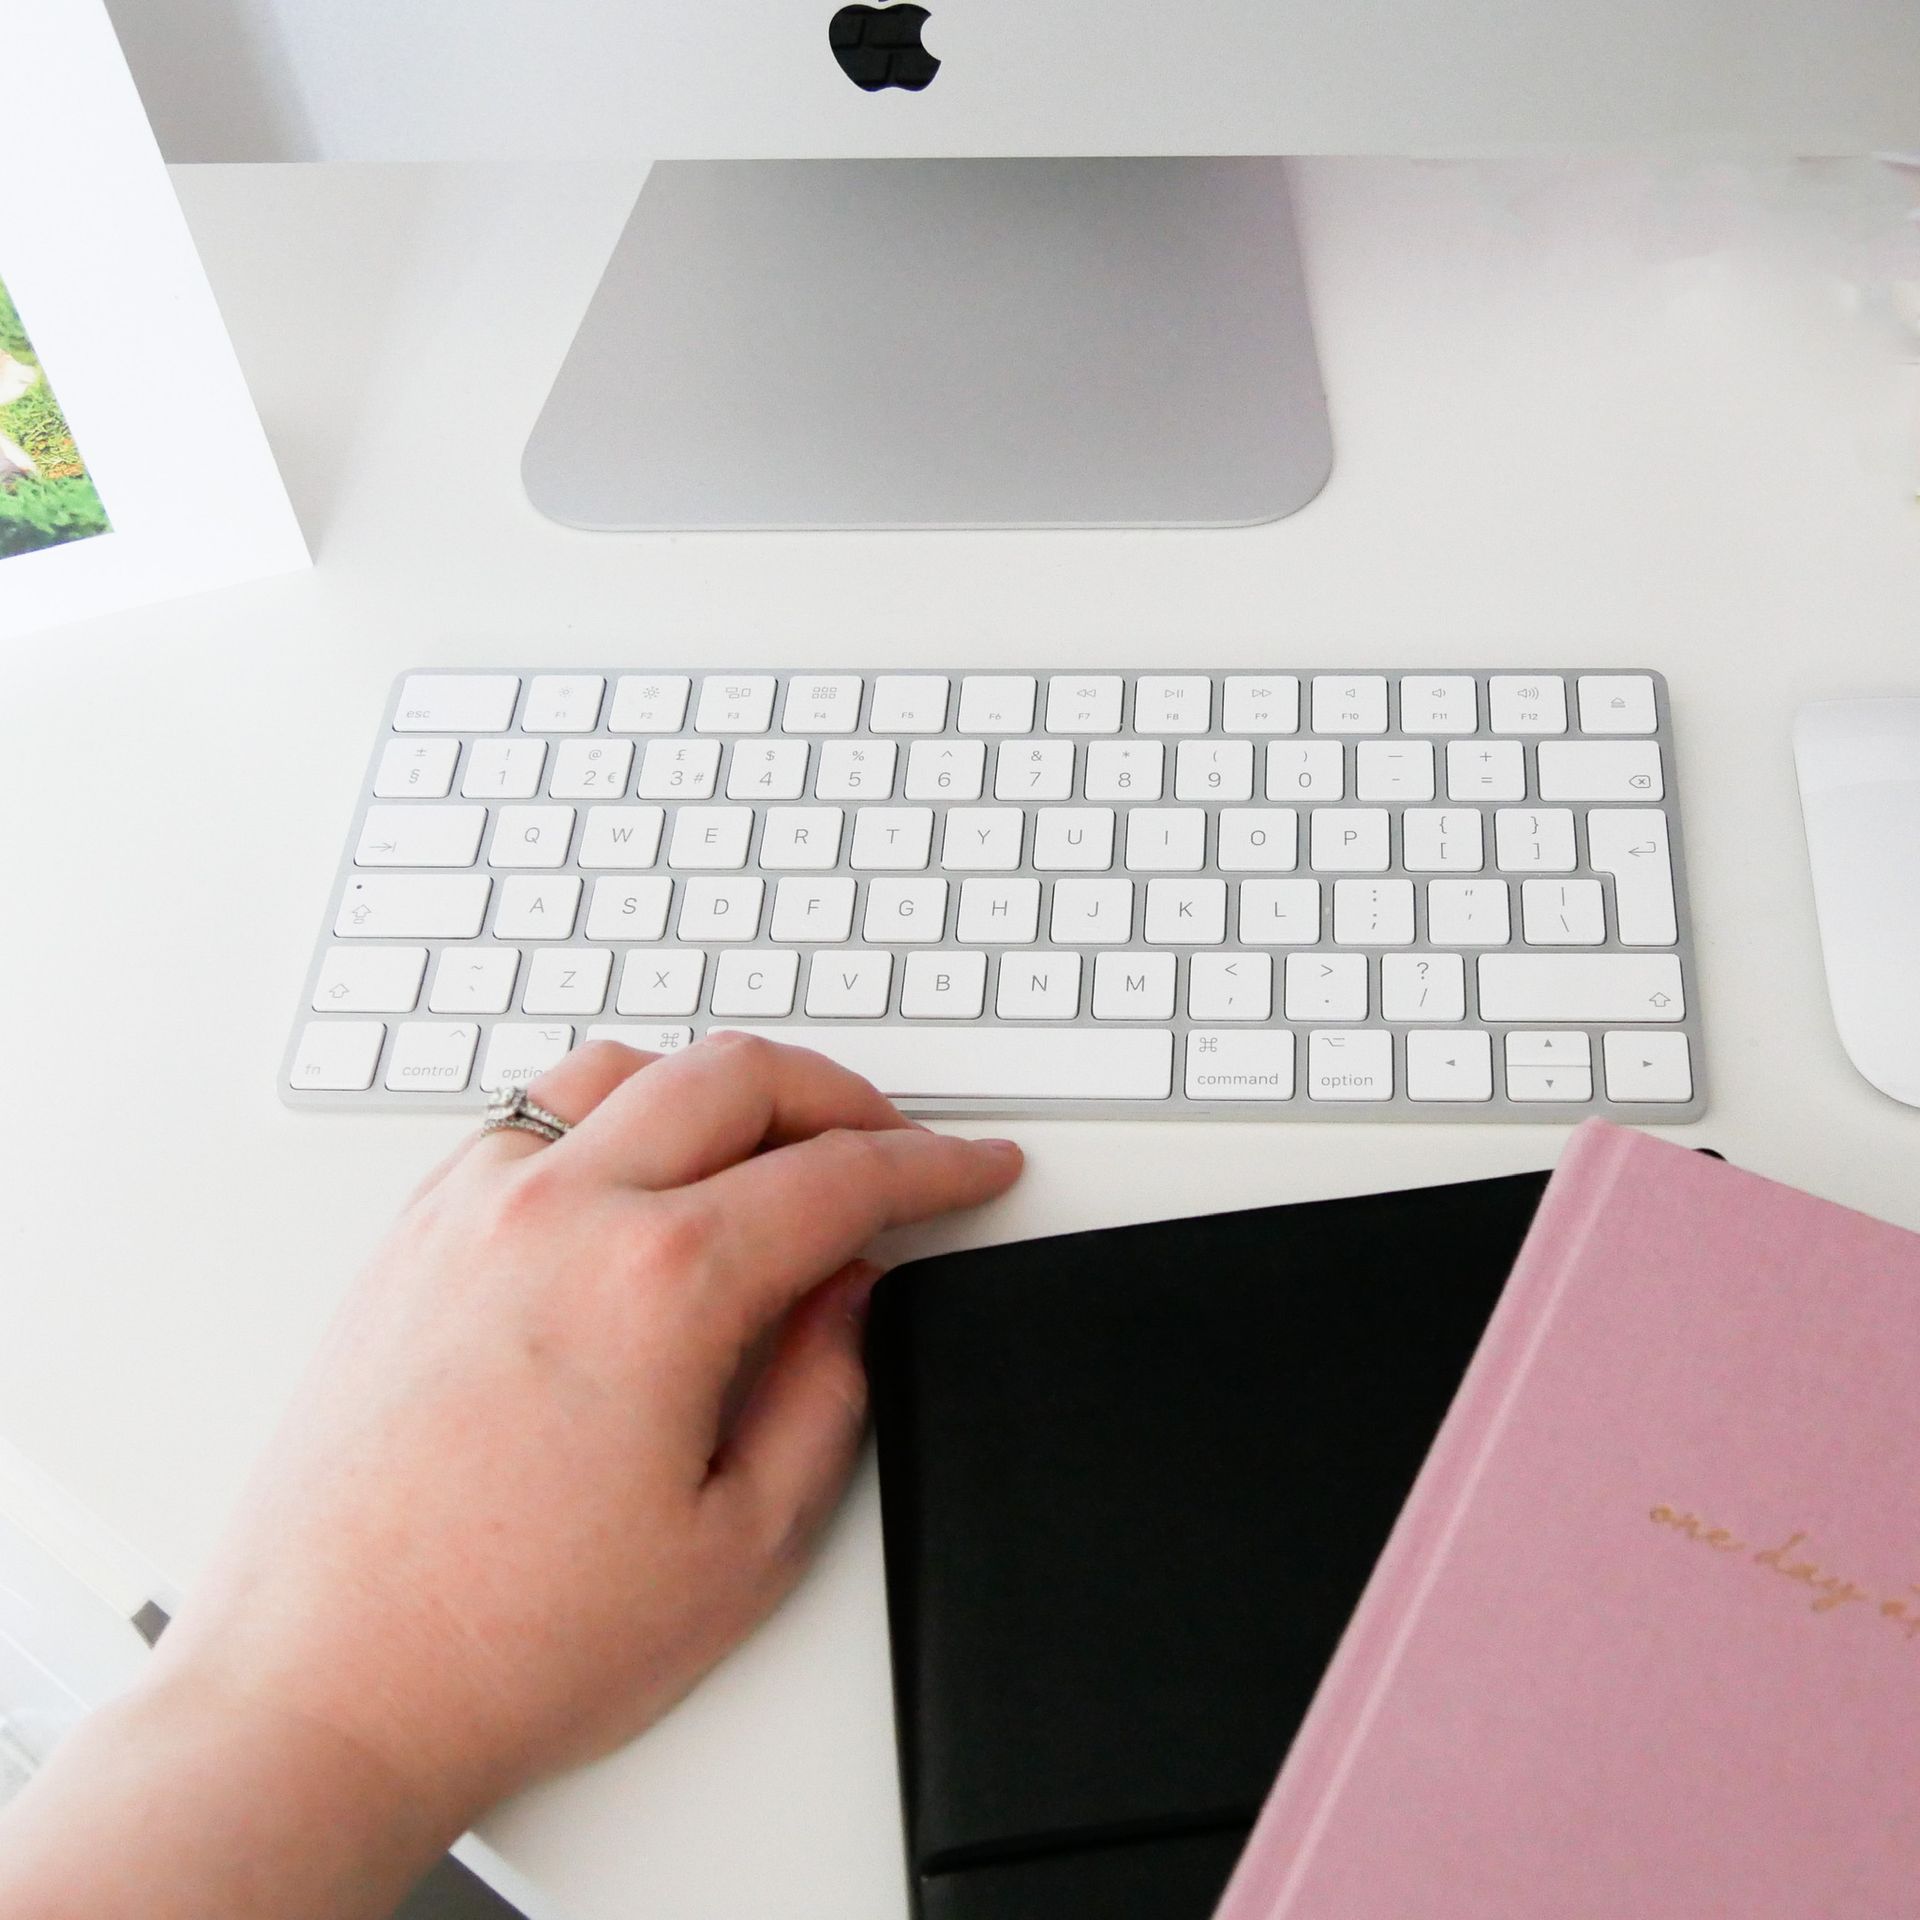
1133, 1483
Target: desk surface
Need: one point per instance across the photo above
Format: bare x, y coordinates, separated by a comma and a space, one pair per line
1607, 416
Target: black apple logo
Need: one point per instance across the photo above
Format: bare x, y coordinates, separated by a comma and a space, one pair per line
880, 47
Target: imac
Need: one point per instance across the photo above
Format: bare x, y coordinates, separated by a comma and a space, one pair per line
1025, 263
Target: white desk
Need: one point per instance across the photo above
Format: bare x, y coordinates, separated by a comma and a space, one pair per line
1599, 416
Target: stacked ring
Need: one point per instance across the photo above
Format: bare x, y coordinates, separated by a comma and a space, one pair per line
509, 1110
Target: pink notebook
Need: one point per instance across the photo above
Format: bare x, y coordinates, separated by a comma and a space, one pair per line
1645, 1643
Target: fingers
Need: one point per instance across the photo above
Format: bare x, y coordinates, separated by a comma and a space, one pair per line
795, 1441
703, 1109
782, 1220
573, 1088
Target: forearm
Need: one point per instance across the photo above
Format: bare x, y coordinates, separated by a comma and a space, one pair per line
184, 1800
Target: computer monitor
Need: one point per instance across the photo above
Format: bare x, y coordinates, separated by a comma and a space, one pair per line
1024, 262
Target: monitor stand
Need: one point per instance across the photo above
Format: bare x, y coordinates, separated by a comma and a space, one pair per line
941, 343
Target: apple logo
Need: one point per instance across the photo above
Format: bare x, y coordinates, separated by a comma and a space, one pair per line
880, 47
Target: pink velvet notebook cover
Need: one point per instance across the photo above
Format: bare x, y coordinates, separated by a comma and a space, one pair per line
1645, 1643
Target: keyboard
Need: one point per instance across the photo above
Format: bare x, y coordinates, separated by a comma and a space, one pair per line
1312, 896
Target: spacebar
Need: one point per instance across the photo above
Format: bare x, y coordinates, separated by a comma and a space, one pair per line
995, 1063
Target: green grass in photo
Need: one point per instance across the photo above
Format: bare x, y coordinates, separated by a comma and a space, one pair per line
46, 497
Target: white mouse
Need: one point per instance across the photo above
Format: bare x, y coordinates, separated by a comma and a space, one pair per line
1859, 763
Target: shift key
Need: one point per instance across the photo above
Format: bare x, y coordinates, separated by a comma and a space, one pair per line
1526, 987
413, 906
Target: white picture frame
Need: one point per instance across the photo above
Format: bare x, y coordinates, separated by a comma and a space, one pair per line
122, 331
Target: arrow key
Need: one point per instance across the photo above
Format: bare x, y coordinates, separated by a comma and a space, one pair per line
1449, 1065
1550, 1083
1654, 1067
1549, 1049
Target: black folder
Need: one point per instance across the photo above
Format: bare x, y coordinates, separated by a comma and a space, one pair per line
1133, 1482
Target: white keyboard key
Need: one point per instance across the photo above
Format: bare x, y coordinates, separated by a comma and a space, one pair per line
567, 979
1617, 703
735, 703
1260, 703
855, 770
456, 703
848, 984
535, 908
1655, 1067
801, 839
1091, 913
1350, 1066
1423, 986
1349, 703
1084, 703
1326, 986
714, 909
1258, 840
416, 770
639, 1034
1230, 986
1279, 913
1129, 770
504, 769
987, 1063
1600, 770
997, 703
909, 703
755, 984
1240, 1066
1527, 703
420, 836
431, 1056
474, 979
1133, 986
1167, 839
1449, 1066
413, 906
369, 980
1175, 703
904, 912
621, 836
1033, 770
563, 703
1441, 840
530, 837
1486, 770
813, 910
520, 1051
944, 986
1534, 840
946, 769
1630, 843
999, 913
625, 910
767, 770
1349, 839
711, 838
649, 703
1439, 703
661, 981
590, 769
1213, 770
1562, 913
1556, 1047
679, 770
1186, 913
1468, 913
1038, 986
891, 839
983, 839
1373, 913
1580, 986
1306, 770
1556, 1085
337, 1056
1073, 839
1393, 770
822, 703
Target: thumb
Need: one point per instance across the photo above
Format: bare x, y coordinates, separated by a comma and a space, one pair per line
795, 1442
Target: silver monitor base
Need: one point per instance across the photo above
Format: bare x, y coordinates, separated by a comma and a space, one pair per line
942, 343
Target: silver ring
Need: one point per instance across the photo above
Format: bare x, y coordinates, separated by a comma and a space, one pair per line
510, 1111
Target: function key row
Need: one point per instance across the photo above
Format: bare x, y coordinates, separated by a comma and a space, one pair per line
989, 703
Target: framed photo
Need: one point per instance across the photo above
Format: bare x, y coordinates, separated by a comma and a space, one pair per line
133, 467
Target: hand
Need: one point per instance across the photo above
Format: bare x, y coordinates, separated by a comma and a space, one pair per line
578, 1424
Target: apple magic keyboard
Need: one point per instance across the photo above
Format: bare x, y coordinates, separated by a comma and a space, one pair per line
1348, 895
